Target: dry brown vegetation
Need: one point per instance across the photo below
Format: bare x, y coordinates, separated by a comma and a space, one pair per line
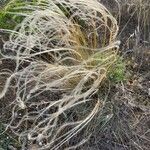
77, 76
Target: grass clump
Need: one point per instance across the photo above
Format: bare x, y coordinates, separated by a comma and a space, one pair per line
139, 11
68, 53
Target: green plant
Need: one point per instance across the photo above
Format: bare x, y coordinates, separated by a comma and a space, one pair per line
8, 20
117, 73
11, 14
69, 53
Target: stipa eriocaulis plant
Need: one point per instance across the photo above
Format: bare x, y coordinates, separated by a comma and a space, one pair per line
67, 46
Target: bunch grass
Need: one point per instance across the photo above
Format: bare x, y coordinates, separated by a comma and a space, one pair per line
69, 46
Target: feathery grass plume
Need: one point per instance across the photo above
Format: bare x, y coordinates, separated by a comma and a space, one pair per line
69, 46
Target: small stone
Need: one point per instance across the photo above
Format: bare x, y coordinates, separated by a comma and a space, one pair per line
40, 144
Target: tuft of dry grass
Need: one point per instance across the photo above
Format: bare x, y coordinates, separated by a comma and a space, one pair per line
69, 46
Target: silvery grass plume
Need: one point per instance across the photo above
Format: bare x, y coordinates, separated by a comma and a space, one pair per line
68, 46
